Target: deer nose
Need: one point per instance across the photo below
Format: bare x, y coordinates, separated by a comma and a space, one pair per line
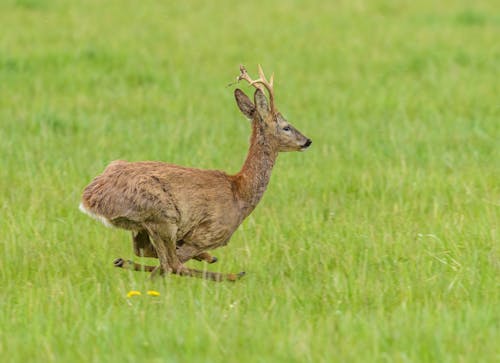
308, 143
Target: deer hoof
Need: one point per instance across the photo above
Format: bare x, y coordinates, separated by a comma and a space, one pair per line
214, 259
235, 277
119, 262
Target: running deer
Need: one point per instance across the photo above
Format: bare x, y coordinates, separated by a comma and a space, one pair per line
177, 213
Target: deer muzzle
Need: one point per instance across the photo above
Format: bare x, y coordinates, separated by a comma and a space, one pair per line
306, 144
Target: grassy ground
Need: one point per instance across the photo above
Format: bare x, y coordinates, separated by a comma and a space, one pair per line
379, 244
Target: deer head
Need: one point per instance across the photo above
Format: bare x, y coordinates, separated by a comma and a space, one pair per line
274, 128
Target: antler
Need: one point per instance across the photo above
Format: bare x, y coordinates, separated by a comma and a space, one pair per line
258, 83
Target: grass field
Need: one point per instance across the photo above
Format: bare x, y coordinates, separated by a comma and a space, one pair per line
379, 244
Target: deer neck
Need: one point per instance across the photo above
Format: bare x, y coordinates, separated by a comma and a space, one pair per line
254, 176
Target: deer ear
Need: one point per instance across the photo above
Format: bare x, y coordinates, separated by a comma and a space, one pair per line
245, 105
261, 104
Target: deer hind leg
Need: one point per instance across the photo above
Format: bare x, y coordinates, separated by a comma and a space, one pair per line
164, 242
214, 276
186, 252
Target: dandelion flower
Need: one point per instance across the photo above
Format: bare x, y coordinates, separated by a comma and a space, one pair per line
133, 293
153, 293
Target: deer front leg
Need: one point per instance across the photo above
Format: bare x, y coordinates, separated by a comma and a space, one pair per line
186, 252
207, 257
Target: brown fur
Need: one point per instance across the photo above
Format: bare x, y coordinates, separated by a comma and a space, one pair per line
177, 213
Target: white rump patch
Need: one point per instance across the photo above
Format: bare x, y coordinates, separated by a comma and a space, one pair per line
101, 219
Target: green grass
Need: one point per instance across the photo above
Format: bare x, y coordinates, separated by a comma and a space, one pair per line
379, 244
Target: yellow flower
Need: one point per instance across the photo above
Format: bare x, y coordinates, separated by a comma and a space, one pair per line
133, 293
153, 293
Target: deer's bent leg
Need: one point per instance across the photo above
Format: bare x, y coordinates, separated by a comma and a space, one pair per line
163, 239
205, 256
186, 252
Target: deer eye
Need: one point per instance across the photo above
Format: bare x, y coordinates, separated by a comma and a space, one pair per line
286, 128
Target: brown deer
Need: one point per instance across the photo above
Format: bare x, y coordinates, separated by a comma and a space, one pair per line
177, 213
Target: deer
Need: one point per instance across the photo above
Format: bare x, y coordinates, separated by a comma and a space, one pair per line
178, 213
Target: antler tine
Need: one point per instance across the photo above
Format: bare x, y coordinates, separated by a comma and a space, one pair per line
261, 73
269, 85
244, 75
258, 82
